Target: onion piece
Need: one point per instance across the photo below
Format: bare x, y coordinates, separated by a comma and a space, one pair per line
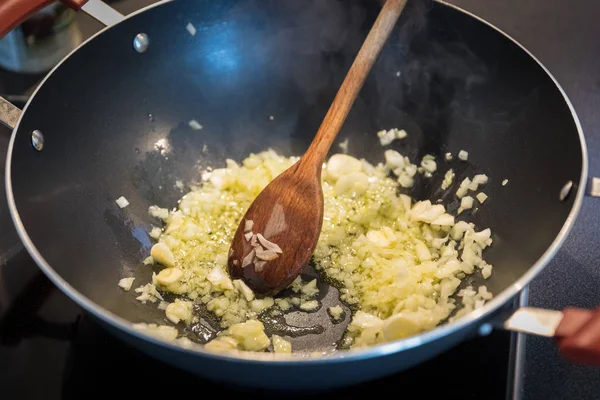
241, 286
248, 259
280, 345
126, 283
122, 202
195, 125
191, 29
162, 254
448, 179
463, 188
266, 255
480, 179
248, 225
168, 276
482, 197
269, 245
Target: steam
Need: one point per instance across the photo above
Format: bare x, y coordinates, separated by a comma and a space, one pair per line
418, 72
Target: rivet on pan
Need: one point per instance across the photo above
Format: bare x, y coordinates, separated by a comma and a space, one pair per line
485, 329
564, 192
141, 42
37, 140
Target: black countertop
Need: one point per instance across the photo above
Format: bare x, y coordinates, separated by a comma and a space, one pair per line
562, 35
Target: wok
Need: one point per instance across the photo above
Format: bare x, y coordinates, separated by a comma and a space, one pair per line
111, 120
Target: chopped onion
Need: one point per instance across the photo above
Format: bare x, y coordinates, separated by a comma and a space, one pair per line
266, 255
163, 305
486, 271
406, 181
340, 165
248, 225
179, 310
422, 251
480, 179
401, 325
463, 188
149, 293
162, 254
122, 202
428, 164
248, 259
353, 184
126, 283
310, 289
219, 278
195, 125
466, 203
336, 313
155, 232
158, 212
148, 260
309, 305
268, 245
443, 220
191, 29
393, 159
459, 230
463, 155
244, 289
387, 137
448, 179
389, 254
504, 182
280, 345
168, 276
482, 197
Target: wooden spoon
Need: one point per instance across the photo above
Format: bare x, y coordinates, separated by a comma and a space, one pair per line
279, 233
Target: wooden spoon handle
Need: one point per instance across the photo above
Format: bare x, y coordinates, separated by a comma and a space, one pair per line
335, 117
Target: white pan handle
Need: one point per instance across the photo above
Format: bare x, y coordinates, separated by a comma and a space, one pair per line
576, 331
9, 113
102, 12
593, 187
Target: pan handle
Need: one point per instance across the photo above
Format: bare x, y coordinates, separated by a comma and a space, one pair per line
9, 113
576, 330
13, 12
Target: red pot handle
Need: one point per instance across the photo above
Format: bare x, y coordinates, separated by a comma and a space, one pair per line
578, 336
13, 12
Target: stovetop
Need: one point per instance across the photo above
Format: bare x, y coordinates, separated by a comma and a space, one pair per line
50, 348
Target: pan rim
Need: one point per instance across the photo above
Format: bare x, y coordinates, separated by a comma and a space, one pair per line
475, 317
